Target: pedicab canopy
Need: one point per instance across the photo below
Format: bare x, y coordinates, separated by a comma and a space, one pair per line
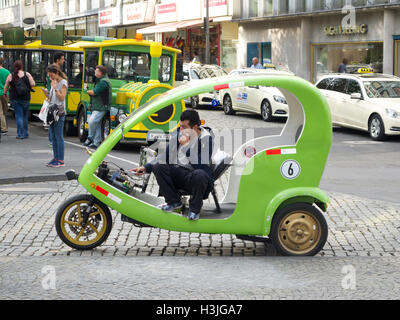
280, 170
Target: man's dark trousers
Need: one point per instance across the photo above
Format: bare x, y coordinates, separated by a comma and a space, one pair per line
171, 178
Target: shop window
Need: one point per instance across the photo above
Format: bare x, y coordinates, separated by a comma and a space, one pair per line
353, 87
268, 4
126, 65
327, 57
164, 71
91, 61
397, 58
75, 69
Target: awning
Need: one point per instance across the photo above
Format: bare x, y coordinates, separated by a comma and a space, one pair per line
170, 27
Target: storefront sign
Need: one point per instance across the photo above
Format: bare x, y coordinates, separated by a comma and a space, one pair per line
134, 13
217, 8
109, 17
166, 12
340, 30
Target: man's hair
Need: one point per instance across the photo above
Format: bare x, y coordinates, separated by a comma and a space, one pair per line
192, 116
58, 55
1, 61
102, 69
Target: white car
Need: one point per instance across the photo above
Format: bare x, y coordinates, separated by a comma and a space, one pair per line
365, 101
269, 102
195, 72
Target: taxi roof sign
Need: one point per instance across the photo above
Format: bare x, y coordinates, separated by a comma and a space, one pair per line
365, 70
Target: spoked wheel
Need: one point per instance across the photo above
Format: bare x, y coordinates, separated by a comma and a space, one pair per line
227, 105
71, 226
266, 111
299, 229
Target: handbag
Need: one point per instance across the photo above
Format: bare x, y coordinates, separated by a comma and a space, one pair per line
55, 111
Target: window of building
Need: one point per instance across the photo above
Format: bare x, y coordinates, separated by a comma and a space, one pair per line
253, 8
397, 58
61, 8
71, 7
95, 4
268, 5
27, 2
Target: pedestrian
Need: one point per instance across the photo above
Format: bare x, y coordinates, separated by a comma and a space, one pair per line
101, 97
256, 64
57, 95
343, 66
4, 73
58, 59
196, 58
20, 84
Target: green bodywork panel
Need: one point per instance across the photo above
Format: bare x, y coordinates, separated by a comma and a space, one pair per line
260, 188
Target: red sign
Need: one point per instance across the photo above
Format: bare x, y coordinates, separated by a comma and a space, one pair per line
166, 8
216, 3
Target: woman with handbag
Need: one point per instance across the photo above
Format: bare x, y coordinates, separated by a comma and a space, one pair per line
20, 84
56, 96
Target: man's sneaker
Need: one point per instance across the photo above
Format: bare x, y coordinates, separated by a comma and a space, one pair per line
50, 145
88, 142
171, 207
52, 163
93, 146
193, 216
4, 133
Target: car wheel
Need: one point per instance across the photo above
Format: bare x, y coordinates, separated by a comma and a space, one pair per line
194, 102
376, 128
299, 229
266, 111
82, 133
227, 104
105, 127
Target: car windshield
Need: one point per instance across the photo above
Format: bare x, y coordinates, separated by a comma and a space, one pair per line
382, 89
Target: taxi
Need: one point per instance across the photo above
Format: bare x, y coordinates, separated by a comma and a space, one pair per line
269, 102
365, 100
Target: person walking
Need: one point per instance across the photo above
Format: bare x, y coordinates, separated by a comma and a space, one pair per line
343, 66
20, 84
57, 95
4, 73
101, 97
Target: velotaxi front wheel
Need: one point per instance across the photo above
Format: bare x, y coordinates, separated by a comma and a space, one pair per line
82, 227
299, 229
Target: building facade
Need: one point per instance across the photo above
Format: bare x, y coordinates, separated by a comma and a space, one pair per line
312, 37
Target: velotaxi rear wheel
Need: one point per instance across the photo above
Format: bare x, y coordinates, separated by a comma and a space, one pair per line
71, 226
299, 229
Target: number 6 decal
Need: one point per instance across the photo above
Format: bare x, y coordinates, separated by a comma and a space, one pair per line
290, 169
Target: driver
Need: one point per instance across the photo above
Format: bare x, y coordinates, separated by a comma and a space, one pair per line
185, 165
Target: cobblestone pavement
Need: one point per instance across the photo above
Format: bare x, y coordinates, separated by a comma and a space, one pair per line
363, 234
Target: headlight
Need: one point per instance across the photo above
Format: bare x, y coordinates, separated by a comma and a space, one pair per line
121, 116
392, 113
280, 99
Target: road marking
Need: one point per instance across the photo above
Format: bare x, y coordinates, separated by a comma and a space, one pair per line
42, 151
108, 155
362, 142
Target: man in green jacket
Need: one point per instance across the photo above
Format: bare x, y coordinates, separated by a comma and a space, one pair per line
3, 99
101, 97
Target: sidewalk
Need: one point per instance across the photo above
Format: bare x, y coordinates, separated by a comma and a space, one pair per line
357, 227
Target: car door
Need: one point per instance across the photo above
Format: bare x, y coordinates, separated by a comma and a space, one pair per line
241, 95
324, 85
338, 100
355, 110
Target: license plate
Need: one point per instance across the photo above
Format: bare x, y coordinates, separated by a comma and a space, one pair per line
153, 136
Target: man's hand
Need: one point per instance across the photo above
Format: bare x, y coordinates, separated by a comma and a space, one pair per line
139, 171
185, 136
90, 92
